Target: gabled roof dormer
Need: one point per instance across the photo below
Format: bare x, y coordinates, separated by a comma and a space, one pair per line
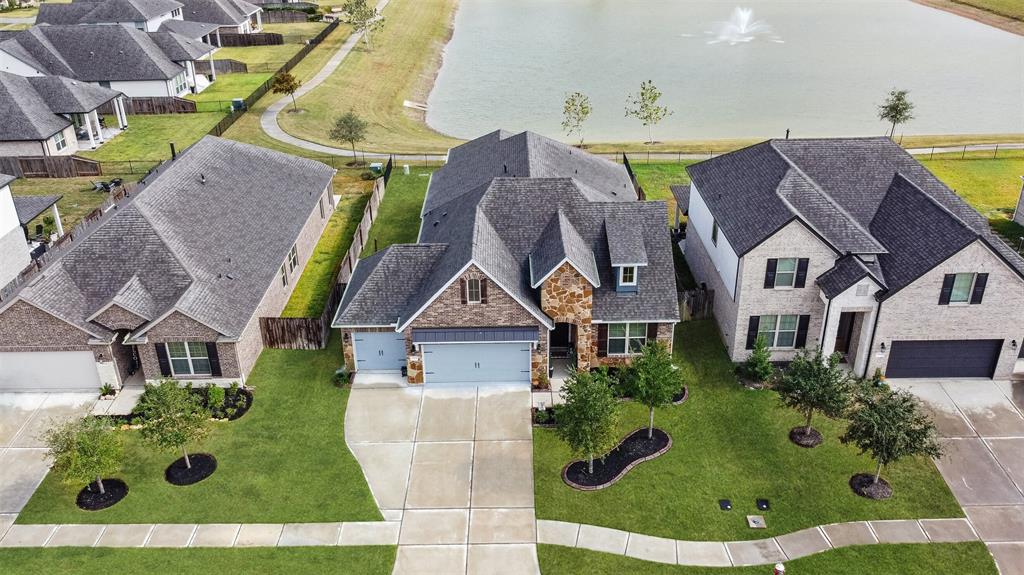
626, 252
558, 244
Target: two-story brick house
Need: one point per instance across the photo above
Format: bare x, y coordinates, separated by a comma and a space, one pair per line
172, 282
528, 249
852, 246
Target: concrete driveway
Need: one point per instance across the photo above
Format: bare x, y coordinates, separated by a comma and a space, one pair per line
982, 424
455, 466
24, 417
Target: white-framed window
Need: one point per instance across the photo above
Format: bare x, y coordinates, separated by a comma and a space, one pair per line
188, 358
293, 258
627, 276
473, 294
963, 286
322, 214
176, 13
284, 276
778, 330
714, 232
180, 83
59, 142
785, 272
626, 338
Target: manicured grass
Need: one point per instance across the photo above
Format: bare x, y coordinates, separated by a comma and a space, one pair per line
147, 137
398, 221
992, 186
317, 279
908, 559
731, 443
656, 177
78, 200
375, 82
259, 58
227, 87
284, 462
292, 30
377, 560
26, 12
1009, 8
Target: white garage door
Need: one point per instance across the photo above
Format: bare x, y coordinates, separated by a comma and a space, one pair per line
48, 371
475, 364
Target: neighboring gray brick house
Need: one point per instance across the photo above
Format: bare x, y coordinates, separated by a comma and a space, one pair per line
852, 246
528, 250
173, 282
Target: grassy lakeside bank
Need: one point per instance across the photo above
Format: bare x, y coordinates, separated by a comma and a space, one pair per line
1003, 14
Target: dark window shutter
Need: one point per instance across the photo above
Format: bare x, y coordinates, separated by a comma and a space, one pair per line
801, 272
947, 289
979, 288
769, 273
211, 351
801, 332
463, 289
602, 340
161, 358
652, 332
483, 290
752, 324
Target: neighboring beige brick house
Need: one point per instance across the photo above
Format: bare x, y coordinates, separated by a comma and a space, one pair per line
851, 246
530, 253
172, 283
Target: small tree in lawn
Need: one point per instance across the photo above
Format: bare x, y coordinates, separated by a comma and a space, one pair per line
890, 425
84, 450
758, 365
173, 417
285, 83
654, 379
897, 109
587, 419
349, 128
644, 106
364, 18
814, 383
574, 113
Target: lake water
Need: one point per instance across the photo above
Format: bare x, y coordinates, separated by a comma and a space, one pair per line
817, 67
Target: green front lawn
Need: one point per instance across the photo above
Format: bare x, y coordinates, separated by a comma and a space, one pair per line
398, 221
731, 443
148, 137
284, 462
920, 559
261, 560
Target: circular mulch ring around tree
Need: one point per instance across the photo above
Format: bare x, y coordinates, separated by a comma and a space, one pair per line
681, 396
863, 484
203, 466
630, 452
798, 436
90, 498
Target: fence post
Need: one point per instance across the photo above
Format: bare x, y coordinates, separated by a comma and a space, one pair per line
131, 168
932, 154
962, 155
996, 152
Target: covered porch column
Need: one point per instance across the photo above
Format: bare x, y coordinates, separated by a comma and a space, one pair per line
259, 20
88, 130
99, 130
213, 66
56, 220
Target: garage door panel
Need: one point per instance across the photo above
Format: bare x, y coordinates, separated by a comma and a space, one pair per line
944, 358
379, 351
477, 364
48, 371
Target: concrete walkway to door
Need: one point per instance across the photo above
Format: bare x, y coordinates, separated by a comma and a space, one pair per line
455, 467
982, 424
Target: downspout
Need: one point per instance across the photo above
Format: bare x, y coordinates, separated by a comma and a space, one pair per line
871, 344
824, 326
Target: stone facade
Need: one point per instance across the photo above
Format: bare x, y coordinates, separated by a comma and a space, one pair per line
567, 297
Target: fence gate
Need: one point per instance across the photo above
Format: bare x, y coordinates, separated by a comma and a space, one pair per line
696, 304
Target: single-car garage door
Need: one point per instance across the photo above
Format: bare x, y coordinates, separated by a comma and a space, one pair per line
48, 371
379, 351
465, 364
944, 358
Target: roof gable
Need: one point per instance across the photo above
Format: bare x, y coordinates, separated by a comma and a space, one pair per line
560, 242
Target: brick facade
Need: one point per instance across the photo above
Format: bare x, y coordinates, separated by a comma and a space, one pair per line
116, 317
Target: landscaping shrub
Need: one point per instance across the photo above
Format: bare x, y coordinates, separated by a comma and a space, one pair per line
214, 398
758, 366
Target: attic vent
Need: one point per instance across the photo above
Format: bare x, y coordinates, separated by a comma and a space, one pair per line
615, 193
504, 168
202, 179
444, 215
229, 276
435, 223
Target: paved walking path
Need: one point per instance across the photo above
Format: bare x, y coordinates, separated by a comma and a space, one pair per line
25, 20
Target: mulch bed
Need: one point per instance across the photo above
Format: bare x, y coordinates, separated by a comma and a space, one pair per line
681, 396
630, 452
863, 484
203, 466
90, 498
242, 402
808, 440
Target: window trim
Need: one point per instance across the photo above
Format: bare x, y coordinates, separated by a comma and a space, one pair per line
970, 289
776, 330
469, 291
796, 267
284, 276
59, 141
626, 338
293, 258
188, 357
322, 212
622, 275
180, 83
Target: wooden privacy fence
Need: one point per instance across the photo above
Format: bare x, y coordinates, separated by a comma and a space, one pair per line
362, 233
49, 166
301, 332
696, 304
152, 105
632, 177
254, 39
278, 16
226, 66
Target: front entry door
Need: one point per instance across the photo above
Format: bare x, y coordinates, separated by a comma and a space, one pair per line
845, 332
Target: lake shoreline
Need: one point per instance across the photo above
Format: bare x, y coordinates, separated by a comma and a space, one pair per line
1005, 23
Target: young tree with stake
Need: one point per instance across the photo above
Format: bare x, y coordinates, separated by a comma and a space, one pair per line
654, 379
897, 109
644, 106
814, 383
574, 113
890, 425
285, 83
364, 18
349, 128
588, 418
173, 417
84, 450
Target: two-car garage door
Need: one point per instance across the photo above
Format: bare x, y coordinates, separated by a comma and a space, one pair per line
464, 364
42, 371
944, 358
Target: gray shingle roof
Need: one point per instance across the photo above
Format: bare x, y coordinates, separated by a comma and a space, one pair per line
847, 271
6, 179
193, 30
681, 192
853, 192
180, 48
625, 242
29, 207
500, 222
66, 96
561, 242
30, 106
222, 12
104, 11
208, 250
382, 283
102, 52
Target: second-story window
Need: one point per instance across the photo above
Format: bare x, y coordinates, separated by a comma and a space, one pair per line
963, 285
627, 276
473, 290
785, 273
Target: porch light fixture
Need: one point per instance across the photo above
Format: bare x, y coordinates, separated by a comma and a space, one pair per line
1013, 344
725, 504
882, 347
